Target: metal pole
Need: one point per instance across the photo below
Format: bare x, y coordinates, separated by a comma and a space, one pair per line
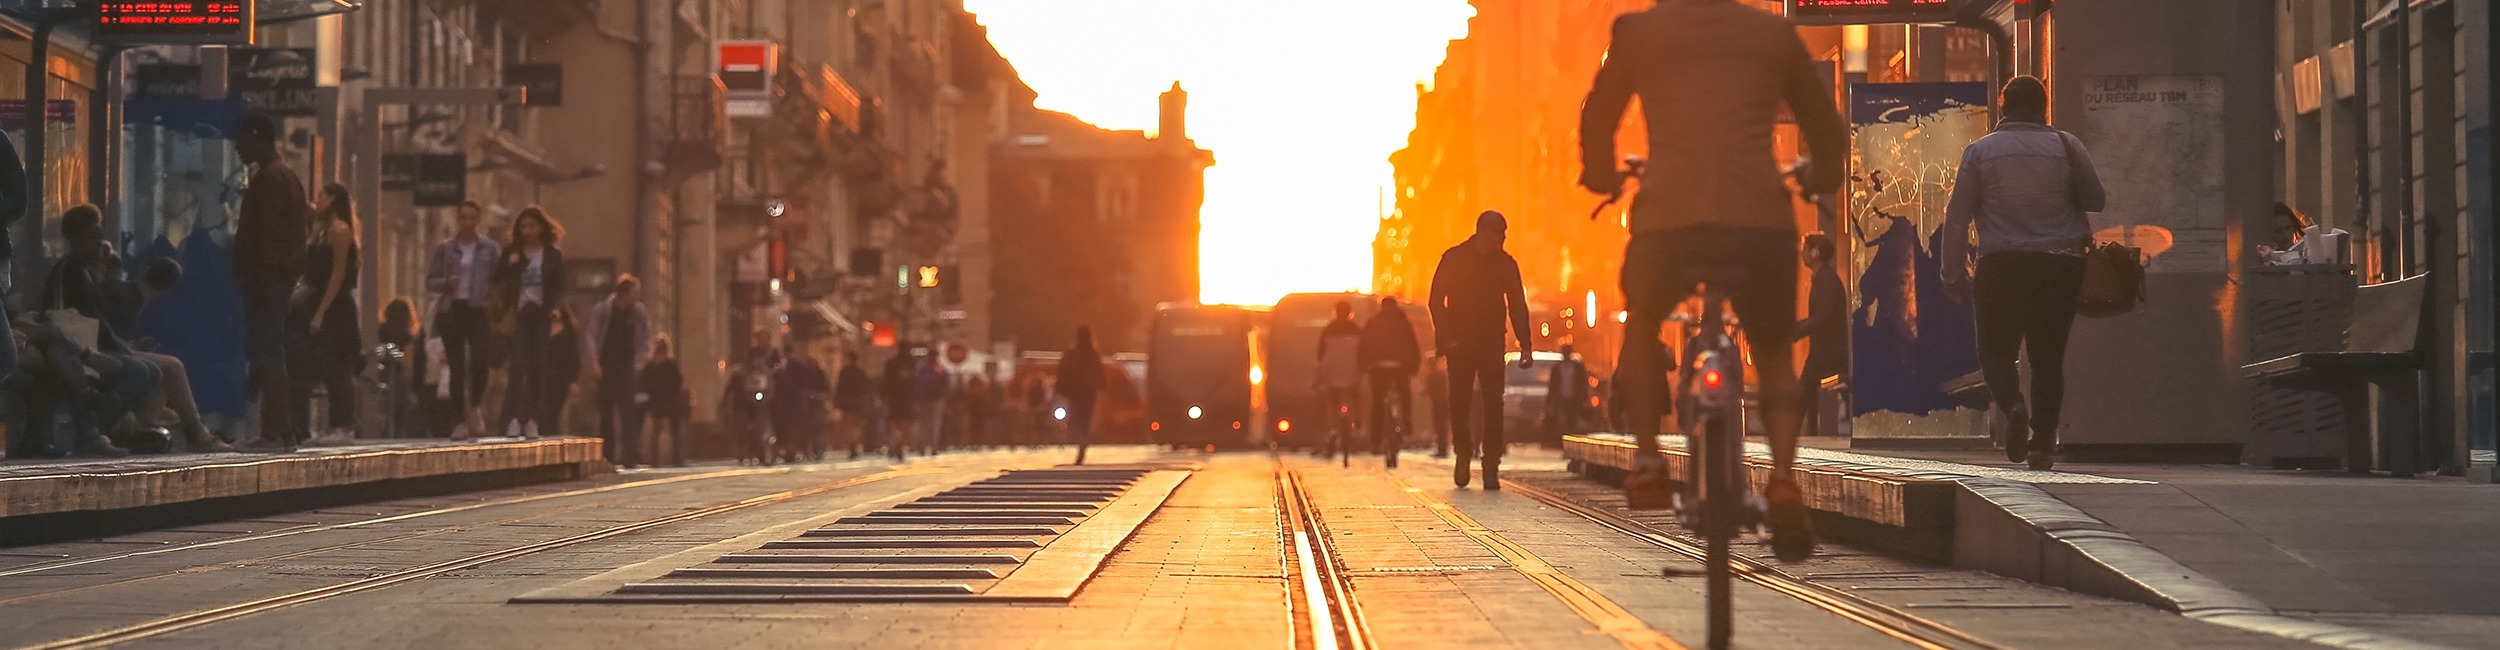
38, 88
103, 129
2400, 228
2361, 122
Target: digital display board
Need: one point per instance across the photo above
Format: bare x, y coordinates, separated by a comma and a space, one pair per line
1869, 12
203, 22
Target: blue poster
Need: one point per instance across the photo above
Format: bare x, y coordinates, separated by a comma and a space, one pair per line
1908, 339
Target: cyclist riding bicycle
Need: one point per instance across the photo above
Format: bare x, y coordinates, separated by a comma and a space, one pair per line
1712, 75
1340, 376
1389, 355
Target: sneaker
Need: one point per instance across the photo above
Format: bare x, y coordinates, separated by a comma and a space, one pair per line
98, 445
1792, 530
204, 442
1393, 459
461, 431
531, 431
2015, 431
2041, 461
1493, 474
512, 429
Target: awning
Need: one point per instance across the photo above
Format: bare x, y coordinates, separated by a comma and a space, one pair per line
273, 12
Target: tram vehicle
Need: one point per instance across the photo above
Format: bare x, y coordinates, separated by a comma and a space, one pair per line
1205, 376
1294, 327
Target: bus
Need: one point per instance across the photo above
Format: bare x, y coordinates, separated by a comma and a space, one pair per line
1294, 326
1204, 376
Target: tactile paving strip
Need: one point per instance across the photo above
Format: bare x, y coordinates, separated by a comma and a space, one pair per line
1031, 535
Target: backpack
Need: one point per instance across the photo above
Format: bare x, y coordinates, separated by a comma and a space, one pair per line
2113, 281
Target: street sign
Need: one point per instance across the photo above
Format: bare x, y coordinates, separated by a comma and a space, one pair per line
57, 111
273, 80
211, 22
956, 353
746, 71
442, 180
399, 171
1872, 12
545, 82
169, 80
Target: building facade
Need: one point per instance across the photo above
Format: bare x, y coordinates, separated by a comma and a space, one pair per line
1105, 225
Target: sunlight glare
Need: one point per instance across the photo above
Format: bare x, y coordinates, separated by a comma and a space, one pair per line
1301, 101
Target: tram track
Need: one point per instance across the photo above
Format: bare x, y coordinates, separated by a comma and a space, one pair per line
1911, 629
1328, 617
210, 616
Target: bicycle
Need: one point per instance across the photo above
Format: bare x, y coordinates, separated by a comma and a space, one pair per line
1710, 399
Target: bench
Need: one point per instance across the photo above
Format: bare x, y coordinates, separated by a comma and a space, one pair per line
2382, 349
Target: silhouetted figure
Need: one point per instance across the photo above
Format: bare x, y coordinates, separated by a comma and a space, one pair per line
1473, 288
1711, 77
2025, 188
1080, 380
268, 259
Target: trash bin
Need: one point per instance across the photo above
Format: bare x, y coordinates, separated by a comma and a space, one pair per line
2292, 309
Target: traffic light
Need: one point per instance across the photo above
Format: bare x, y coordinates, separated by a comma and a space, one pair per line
929, 276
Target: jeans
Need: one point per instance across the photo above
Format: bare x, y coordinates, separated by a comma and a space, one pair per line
463, 328
2026, 303
932, 423
620, 419
1081, 423
1476, 383
265, 306
525, 376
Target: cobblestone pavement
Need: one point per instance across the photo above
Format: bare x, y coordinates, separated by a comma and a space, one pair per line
1430, 567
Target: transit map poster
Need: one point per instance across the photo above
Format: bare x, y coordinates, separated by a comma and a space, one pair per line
1908, 340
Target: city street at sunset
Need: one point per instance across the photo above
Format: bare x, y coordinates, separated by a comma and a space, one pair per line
1302, 324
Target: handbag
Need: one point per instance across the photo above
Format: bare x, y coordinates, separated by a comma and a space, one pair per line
2113, 281
2113, 273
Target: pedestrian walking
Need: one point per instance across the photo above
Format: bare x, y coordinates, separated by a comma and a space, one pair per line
1390, 355
1825, 328
664, 393
929, 392
410, 406
894, 396
2025, 188
746, 398
799, 405
460, 275
1566, 395
854, 395
564, 368
620, 343
268, 260
1473, 288
531, 281
328, 351
1080, 381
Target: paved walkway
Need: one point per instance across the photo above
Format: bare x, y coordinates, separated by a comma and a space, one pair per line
2418, 558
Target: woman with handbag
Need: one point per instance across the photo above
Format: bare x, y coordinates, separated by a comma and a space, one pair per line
2026, 188
530, 282
323, 325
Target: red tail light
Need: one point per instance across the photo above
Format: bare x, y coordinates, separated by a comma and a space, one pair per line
1712, 378
1284, 426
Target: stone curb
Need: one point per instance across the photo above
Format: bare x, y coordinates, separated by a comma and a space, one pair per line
2015, 529
2071, 549
150, 482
